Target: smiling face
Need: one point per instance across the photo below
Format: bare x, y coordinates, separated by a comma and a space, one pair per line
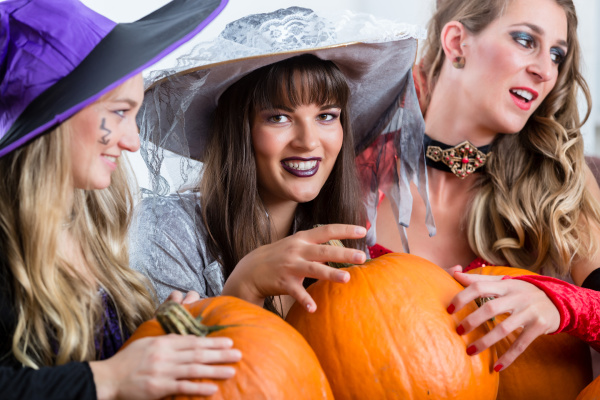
295, 150
513, 64
101, 131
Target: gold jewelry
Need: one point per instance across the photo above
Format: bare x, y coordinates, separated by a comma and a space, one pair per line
462, 159
459, 63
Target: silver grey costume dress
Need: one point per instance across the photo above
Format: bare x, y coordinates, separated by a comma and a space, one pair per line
168, 244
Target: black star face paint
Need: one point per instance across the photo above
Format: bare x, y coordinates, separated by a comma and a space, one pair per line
104, 139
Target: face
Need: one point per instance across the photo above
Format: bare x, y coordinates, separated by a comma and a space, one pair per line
512, 65
100, 133
295, 151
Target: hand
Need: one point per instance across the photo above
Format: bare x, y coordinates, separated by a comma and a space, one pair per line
155, 367
280, 267
528, 306
177, 297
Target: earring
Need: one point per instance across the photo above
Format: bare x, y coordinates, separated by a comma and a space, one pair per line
459, 63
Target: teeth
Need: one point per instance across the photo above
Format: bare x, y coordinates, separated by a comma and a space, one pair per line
523, 93
112, 159
301, 165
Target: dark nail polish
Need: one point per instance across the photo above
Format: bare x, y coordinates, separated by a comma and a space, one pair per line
450, 309
460, 330
498, 367
471, 350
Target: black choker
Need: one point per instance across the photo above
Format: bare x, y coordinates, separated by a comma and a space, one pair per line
462, 160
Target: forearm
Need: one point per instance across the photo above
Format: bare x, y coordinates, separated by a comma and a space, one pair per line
70, 381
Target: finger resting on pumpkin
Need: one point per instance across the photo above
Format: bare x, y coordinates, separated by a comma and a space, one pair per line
525, 338
199, 370
185, 387
477, 290
301, 296
211, 356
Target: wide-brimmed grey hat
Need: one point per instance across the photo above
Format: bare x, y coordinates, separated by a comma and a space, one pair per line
375, 56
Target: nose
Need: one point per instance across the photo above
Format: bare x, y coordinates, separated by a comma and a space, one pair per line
543, 68
130, 141
306, 135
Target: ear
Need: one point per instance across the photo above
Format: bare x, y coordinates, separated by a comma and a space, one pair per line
454, 36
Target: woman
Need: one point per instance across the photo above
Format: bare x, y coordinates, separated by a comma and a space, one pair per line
504, 76
279, 159
68, 297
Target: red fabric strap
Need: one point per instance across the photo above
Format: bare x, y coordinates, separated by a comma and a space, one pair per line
579, 307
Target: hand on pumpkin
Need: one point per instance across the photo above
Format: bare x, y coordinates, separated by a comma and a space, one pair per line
528, 306
279, 268
155, 367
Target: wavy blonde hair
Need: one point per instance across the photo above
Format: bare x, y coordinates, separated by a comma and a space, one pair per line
531, 208
57, 304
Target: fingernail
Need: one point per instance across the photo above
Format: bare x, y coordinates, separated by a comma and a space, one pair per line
498, 367
229, 371
450, 309
359, 230
358, 257
343, 277
309, 307
471, 350
460, 330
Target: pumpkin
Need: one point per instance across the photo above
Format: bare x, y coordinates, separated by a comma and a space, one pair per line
552, 367
591, 391
276, 363
386, 334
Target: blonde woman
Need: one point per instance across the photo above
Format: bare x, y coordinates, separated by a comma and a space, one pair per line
504, 76
68, 299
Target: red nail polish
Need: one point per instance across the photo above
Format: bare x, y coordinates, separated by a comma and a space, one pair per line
460, 330
450, 309
498, 367
471, 350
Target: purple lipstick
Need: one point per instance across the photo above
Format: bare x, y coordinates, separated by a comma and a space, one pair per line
301, 167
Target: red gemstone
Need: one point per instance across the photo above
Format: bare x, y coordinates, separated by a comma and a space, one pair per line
477, 164
451, 162
465, 160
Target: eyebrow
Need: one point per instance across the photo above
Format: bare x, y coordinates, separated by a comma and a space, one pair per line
131, 102
288, 109
540, 32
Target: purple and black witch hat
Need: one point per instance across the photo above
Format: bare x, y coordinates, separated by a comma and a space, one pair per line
56, 57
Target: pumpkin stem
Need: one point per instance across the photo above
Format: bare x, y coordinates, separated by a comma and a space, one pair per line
174, 318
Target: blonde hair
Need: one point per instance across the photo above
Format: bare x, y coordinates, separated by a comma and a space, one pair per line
57, 304
531, 209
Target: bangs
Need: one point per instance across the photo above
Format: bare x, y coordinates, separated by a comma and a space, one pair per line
297, 81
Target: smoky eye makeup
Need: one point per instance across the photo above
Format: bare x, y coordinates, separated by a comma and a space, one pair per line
557, 54
523, 38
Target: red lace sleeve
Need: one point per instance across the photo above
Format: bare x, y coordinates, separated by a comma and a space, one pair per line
579, 307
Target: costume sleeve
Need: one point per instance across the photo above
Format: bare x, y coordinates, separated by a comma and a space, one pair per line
167, 244
579, 307
70, 381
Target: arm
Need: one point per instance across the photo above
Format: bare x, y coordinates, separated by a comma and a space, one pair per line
69, 381
168, 246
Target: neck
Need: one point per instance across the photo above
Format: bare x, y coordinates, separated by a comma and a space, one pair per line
282, 217
451, 117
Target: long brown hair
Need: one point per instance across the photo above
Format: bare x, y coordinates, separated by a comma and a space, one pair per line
532, 208
58, 307
232, 211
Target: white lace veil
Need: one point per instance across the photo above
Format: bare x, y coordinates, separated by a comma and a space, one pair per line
387, 122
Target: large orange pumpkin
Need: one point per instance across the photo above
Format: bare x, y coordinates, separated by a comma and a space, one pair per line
552, 367
386, 334
276, 364
591, 391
